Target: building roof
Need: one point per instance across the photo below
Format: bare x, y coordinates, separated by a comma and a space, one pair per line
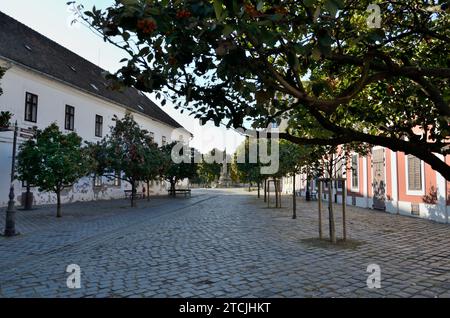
27, 47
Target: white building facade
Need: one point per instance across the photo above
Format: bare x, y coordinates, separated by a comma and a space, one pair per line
37, 95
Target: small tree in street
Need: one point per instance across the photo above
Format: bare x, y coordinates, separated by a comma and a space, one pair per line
28, 167
123, 154
248, 172
334, 160
153, 164
209, 170
293, 160
53, 161
173, 172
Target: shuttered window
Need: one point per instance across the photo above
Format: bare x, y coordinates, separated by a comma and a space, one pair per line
414, 173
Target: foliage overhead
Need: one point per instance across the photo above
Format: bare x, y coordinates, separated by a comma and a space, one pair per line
321, 65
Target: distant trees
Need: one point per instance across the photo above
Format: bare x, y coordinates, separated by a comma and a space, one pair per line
52, 161
209, 169
246, 168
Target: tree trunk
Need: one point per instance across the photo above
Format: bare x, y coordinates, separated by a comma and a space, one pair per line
148, 190
276, 193
279, 193
172, 187
319, 201
265, 190
28, 199
344, 206
331, 214
259, 189
58, 204
133, 194
294, 199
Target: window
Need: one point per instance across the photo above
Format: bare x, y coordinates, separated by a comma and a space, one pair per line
117, 180
31, 104
355, 172
339, 175
98, 126
98, 181
164, 141
152, 136
70, 118
414, 173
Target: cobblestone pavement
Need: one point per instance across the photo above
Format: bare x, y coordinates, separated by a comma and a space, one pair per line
219, 243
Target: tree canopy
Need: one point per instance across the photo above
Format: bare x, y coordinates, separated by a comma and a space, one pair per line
125, 153
336, 70
177, 171
53, 161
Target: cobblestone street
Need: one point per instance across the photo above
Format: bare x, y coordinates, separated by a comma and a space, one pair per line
219, 243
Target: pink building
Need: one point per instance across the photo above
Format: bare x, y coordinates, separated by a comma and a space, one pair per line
389, 181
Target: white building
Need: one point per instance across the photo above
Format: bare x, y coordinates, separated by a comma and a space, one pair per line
46, 83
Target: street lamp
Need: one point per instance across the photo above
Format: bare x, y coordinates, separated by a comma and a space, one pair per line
10, 224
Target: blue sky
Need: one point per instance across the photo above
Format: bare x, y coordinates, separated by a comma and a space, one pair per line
52, 19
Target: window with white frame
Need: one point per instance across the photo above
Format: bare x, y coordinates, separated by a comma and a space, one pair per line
339, 174
414, 174
31, 104
355, 172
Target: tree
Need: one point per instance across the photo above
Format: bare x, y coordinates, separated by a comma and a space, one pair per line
248, 171
52, 161
124, 153
334, 160
209, 169
2, 73
28, 167
173, 172
153, 164
326, 66
293, 160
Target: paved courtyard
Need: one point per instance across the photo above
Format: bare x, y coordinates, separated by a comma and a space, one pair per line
219, 243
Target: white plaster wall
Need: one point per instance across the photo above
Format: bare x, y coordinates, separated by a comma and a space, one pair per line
53, 96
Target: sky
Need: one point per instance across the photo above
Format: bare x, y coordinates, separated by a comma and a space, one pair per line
52, 18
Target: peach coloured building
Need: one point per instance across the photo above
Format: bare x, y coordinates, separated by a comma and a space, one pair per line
389, 181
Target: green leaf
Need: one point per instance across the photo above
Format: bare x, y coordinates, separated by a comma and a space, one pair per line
218, 9
227, 30
309, 3
126, 36
332, 7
